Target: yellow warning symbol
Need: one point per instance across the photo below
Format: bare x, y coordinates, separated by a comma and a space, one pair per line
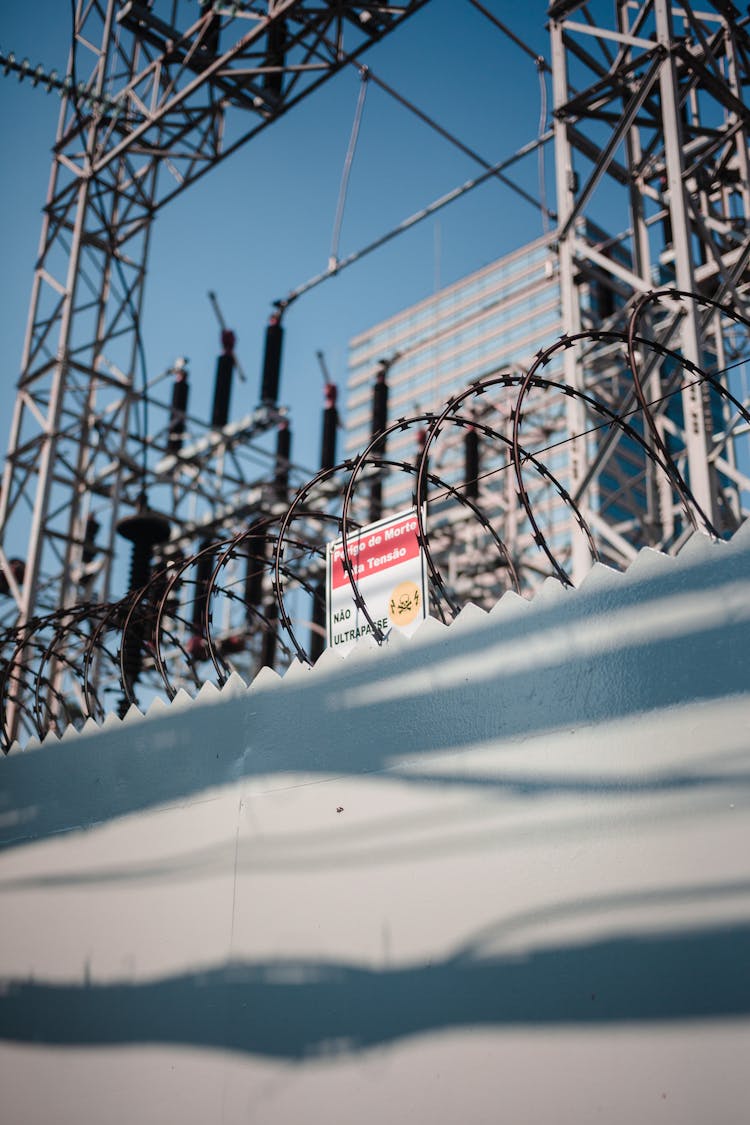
404, 603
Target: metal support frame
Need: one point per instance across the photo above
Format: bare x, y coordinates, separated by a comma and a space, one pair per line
651, 143
165, 92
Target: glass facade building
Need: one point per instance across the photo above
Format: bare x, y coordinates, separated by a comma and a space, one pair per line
495, 320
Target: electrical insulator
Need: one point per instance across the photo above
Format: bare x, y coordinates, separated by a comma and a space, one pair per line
203, 569
666, 223
208, 46
223, 384
273, 80
318, 635
283, 455
268, 649
145, 529
180, 393
330, 426
231, 645
18, 570
379, 423
376, 500
90, 549
421, 442
173, 566
471, 464
379, 409
269, 390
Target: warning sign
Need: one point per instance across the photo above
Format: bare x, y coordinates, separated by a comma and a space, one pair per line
389, 570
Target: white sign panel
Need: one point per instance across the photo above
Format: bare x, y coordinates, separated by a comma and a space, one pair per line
389, 567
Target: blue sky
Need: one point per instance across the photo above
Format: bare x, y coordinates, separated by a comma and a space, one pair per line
261, 224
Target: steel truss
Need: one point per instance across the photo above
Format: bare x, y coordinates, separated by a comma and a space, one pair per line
651, 127
170, 90
164, 91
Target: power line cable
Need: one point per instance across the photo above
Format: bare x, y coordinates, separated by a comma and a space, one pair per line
334, 255
538, 59
452, 138
543, 68
413, 220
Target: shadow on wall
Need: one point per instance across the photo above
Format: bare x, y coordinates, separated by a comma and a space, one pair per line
638, 644
294, 1009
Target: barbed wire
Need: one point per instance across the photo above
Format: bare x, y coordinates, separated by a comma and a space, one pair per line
201, 617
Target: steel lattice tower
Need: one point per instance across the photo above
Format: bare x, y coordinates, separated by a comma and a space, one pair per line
164, 91
651, 118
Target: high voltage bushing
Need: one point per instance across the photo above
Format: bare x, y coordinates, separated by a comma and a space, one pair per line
90, 549
471, 464
208, 48
379, 408
178, 411
223, 384
330, 426
203, 569
18, 569
283, 456
269, 389
421, 442
145, 529
275, 56
379, 424
255, 545
270, 633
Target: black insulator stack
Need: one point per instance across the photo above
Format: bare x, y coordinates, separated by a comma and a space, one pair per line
421, 442
273, 80
471, 464
132, 653
330, 426
268, 649
379, 423
172, 605
223, 384
208, 46
269, 389
18, 570
180, 393
666, 223
145, 529
203, 569
379, 410
283, 456
376, 500
318, 635
90, 549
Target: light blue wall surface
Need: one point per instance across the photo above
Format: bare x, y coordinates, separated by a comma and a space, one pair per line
495, 873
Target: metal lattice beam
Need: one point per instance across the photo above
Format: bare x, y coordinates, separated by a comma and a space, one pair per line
651, 127
171, 90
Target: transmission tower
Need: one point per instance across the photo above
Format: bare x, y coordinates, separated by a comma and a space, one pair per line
651, 127
161, 93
